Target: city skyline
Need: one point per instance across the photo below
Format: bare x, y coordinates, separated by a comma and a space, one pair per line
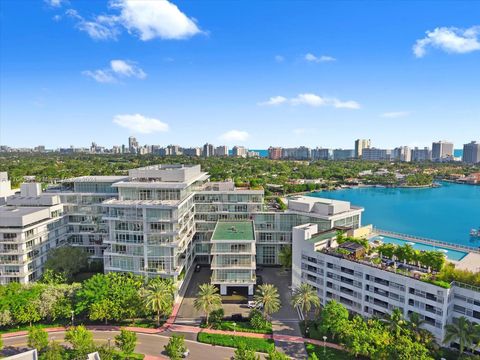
223, 73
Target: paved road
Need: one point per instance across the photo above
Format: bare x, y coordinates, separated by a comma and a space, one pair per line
148, 344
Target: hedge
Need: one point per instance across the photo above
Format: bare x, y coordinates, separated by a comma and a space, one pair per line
256, 344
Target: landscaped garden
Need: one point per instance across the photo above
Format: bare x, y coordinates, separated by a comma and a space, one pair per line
255, 344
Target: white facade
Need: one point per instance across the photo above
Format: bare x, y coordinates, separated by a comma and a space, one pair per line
368, 290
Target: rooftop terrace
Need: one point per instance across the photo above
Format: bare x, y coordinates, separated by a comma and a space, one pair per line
234, 230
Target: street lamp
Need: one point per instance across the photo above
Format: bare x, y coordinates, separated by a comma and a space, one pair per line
234, 325
324, 344
73, 317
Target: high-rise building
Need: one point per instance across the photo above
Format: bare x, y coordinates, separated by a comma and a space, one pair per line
297, 153
322, 154
442, 151
361, 144
132, 145
274, 153
402, 153
208, 150
31, 224
471, 153
239, 151
374, 154
221, 151
343, 154
195, 151
424, 154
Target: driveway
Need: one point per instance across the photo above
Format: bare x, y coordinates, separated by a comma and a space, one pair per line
188, 315
148, 344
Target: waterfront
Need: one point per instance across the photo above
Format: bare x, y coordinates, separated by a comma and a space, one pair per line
446, 213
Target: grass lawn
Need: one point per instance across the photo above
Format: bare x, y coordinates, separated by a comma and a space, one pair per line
241, 327
329, 354
256, 344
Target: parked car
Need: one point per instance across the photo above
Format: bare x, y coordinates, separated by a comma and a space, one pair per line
255, 305
237, 317
259, 280
197, 268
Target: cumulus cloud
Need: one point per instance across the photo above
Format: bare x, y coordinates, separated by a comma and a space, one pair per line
235, 135
319, 59
450, 40
155, 19
140, 124
55, 3
146, 19
313, 100
274, 100
101, 76
279, 58
118, 69
127, 69
395, 114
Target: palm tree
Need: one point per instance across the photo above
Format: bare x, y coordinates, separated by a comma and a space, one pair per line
460, 331
305, 297
267, 295
208, 299
285, 257
414, 324
395, 322
158, 297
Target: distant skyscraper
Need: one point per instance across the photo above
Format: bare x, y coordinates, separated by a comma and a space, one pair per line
221, 150
239, 151
321, 154
274, 153
132, 144
208, 150
195, 151
424, 154
402, 153
374, 154
471, 153
361, 144
442, 150
343, 154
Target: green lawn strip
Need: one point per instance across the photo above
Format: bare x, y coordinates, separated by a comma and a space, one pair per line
327, 353
240, 327
118, 355
256, 344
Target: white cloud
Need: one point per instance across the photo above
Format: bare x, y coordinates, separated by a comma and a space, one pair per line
308, 99
395, 114
140, 124
313, 100
318, 59
54, 3
235, 135
101, 76
155, 19
275, 100
450, 40
279, 58
118, 69
127, 68
147, 19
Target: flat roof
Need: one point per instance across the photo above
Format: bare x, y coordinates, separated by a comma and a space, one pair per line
234, 230
96, 179
322, 236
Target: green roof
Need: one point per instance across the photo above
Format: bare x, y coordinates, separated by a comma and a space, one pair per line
234, 230
323, 236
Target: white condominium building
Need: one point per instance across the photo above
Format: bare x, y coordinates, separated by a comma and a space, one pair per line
31, 224
346, 274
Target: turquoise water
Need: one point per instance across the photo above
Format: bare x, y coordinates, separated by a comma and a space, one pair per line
446, 213
451, 254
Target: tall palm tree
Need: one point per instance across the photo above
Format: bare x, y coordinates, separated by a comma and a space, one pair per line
305, 297
395, 322
414, 324
267, 295
208, 299
460, 331
158, 297
285, 257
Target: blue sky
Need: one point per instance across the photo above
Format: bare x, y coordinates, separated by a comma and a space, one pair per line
253, 73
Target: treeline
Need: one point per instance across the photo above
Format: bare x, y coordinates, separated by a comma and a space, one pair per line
104, 297
256, 172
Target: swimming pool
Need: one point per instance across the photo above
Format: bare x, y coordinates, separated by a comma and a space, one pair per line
453, 255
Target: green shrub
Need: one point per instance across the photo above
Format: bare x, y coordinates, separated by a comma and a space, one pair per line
257, 321
216, 317
256, 344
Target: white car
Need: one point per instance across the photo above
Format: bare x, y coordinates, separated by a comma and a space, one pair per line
254, 305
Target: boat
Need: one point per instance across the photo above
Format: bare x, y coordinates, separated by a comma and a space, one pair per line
475, 233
